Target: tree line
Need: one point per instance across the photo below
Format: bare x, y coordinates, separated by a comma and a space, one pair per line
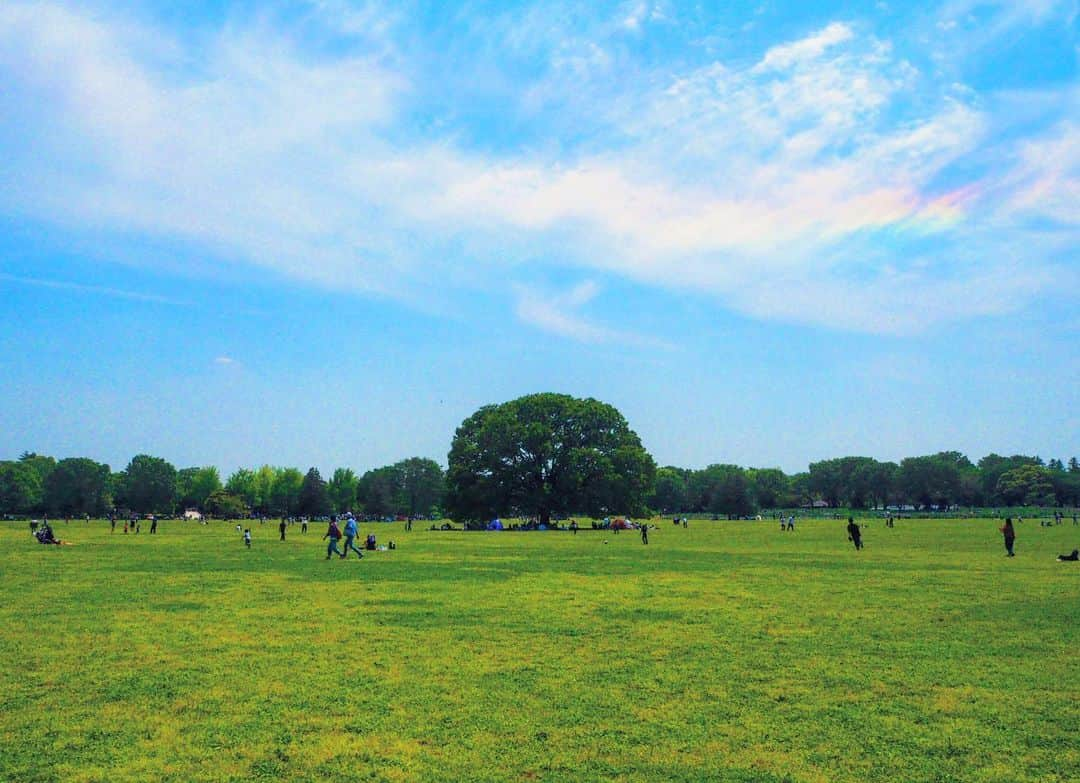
76, 486
934, 481
543, 456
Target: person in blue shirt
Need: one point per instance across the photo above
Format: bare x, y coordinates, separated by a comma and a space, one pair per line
351, 532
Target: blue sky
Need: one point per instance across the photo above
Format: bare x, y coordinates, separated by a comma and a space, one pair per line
323, 233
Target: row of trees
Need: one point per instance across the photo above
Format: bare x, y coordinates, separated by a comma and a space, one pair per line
933, 481
543, 455
76, 486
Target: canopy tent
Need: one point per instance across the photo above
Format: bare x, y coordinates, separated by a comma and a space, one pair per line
495, 524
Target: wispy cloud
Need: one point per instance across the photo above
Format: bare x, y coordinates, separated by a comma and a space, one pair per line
805, 49
560, 313
99, 290
828, 172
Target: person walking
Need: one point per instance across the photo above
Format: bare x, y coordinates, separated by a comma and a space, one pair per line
112, 523
573, 526
281, 528
1009, 532
153, 525
333, 532
247, 538
303, 525
854, 534
644, 533
351, 532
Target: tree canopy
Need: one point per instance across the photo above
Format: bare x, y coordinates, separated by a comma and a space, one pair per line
544, 455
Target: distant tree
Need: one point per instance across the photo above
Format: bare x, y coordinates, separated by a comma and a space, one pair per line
21, 489
314, 500
150, 485
264, 490
377, 490
1055, 465
285, 493
769, 486
241, 484
1074, 465
801, 493
723, 489
933, 479
669, 490
991, 468
185, 488
225, 505
421, 487
78, 486
342, 489
1028, 485
545, 455
42, 467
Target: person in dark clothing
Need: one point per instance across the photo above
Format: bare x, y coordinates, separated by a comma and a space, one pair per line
854, 533
281, 527
153, 525
112, 523
1072, 557
644, 534
333, 532
1009, 532
573, 527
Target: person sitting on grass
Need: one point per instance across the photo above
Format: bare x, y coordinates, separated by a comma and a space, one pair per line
44, 535
1072, 557
333, 532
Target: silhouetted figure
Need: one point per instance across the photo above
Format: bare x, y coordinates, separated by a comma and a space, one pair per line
854, 533
1009, 533
644, 534
281, 528
153, 525
1072, 557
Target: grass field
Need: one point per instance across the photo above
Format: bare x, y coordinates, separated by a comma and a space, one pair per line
725, 652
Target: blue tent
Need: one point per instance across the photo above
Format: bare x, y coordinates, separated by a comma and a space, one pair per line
495, 524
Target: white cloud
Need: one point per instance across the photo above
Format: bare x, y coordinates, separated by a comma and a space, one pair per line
560, 313
745, 183
806, 49
224, 360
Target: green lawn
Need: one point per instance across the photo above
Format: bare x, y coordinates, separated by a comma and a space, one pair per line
726, 652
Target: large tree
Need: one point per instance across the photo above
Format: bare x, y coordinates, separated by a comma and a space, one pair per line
78, 486
544, 455
149, 485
